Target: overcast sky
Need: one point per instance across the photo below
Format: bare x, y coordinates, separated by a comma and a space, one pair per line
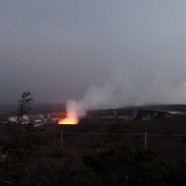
58, 49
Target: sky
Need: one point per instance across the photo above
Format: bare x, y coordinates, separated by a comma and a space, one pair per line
124, 52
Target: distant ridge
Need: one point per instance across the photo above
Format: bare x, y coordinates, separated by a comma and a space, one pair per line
7, 109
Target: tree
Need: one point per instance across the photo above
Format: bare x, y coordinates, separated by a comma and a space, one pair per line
18, 135
24, 105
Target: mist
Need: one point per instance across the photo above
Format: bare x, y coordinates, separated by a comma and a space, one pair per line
100, 54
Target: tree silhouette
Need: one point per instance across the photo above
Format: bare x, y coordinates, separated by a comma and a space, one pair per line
24, 105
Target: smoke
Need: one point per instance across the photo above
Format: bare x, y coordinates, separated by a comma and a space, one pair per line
95, 98
127, 88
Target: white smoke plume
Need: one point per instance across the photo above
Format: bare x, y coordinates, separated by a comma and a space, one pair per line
94, 98
124, 89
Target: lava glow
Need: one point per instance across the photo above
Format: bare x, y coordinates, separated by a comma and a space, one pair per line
71, 119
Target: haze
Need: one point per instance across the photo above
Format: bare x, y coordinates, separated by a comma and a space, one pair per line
125, 52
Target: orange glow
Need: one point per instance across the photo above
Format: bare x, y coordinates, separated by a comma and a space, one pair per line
72, 114
68, 121
71, 119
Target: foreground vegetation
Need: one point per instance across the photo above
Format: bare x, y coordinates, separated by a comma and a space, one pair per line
31, 156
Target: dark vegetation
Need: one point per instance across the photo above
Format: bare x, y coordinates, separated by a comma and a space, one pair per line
37, 156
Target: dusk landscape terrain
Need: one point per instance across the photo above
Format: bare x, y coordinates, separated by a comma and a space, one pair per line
93, 93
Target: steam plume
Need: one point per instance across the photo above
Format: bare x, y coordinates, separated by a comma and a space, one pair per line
123, 89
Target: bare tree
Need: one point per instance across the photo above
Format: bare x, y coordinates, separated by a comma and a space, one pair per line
17, 133
24, 105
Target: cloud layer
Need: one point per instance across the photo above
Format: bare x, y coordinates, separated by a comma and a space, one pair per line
111, 52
